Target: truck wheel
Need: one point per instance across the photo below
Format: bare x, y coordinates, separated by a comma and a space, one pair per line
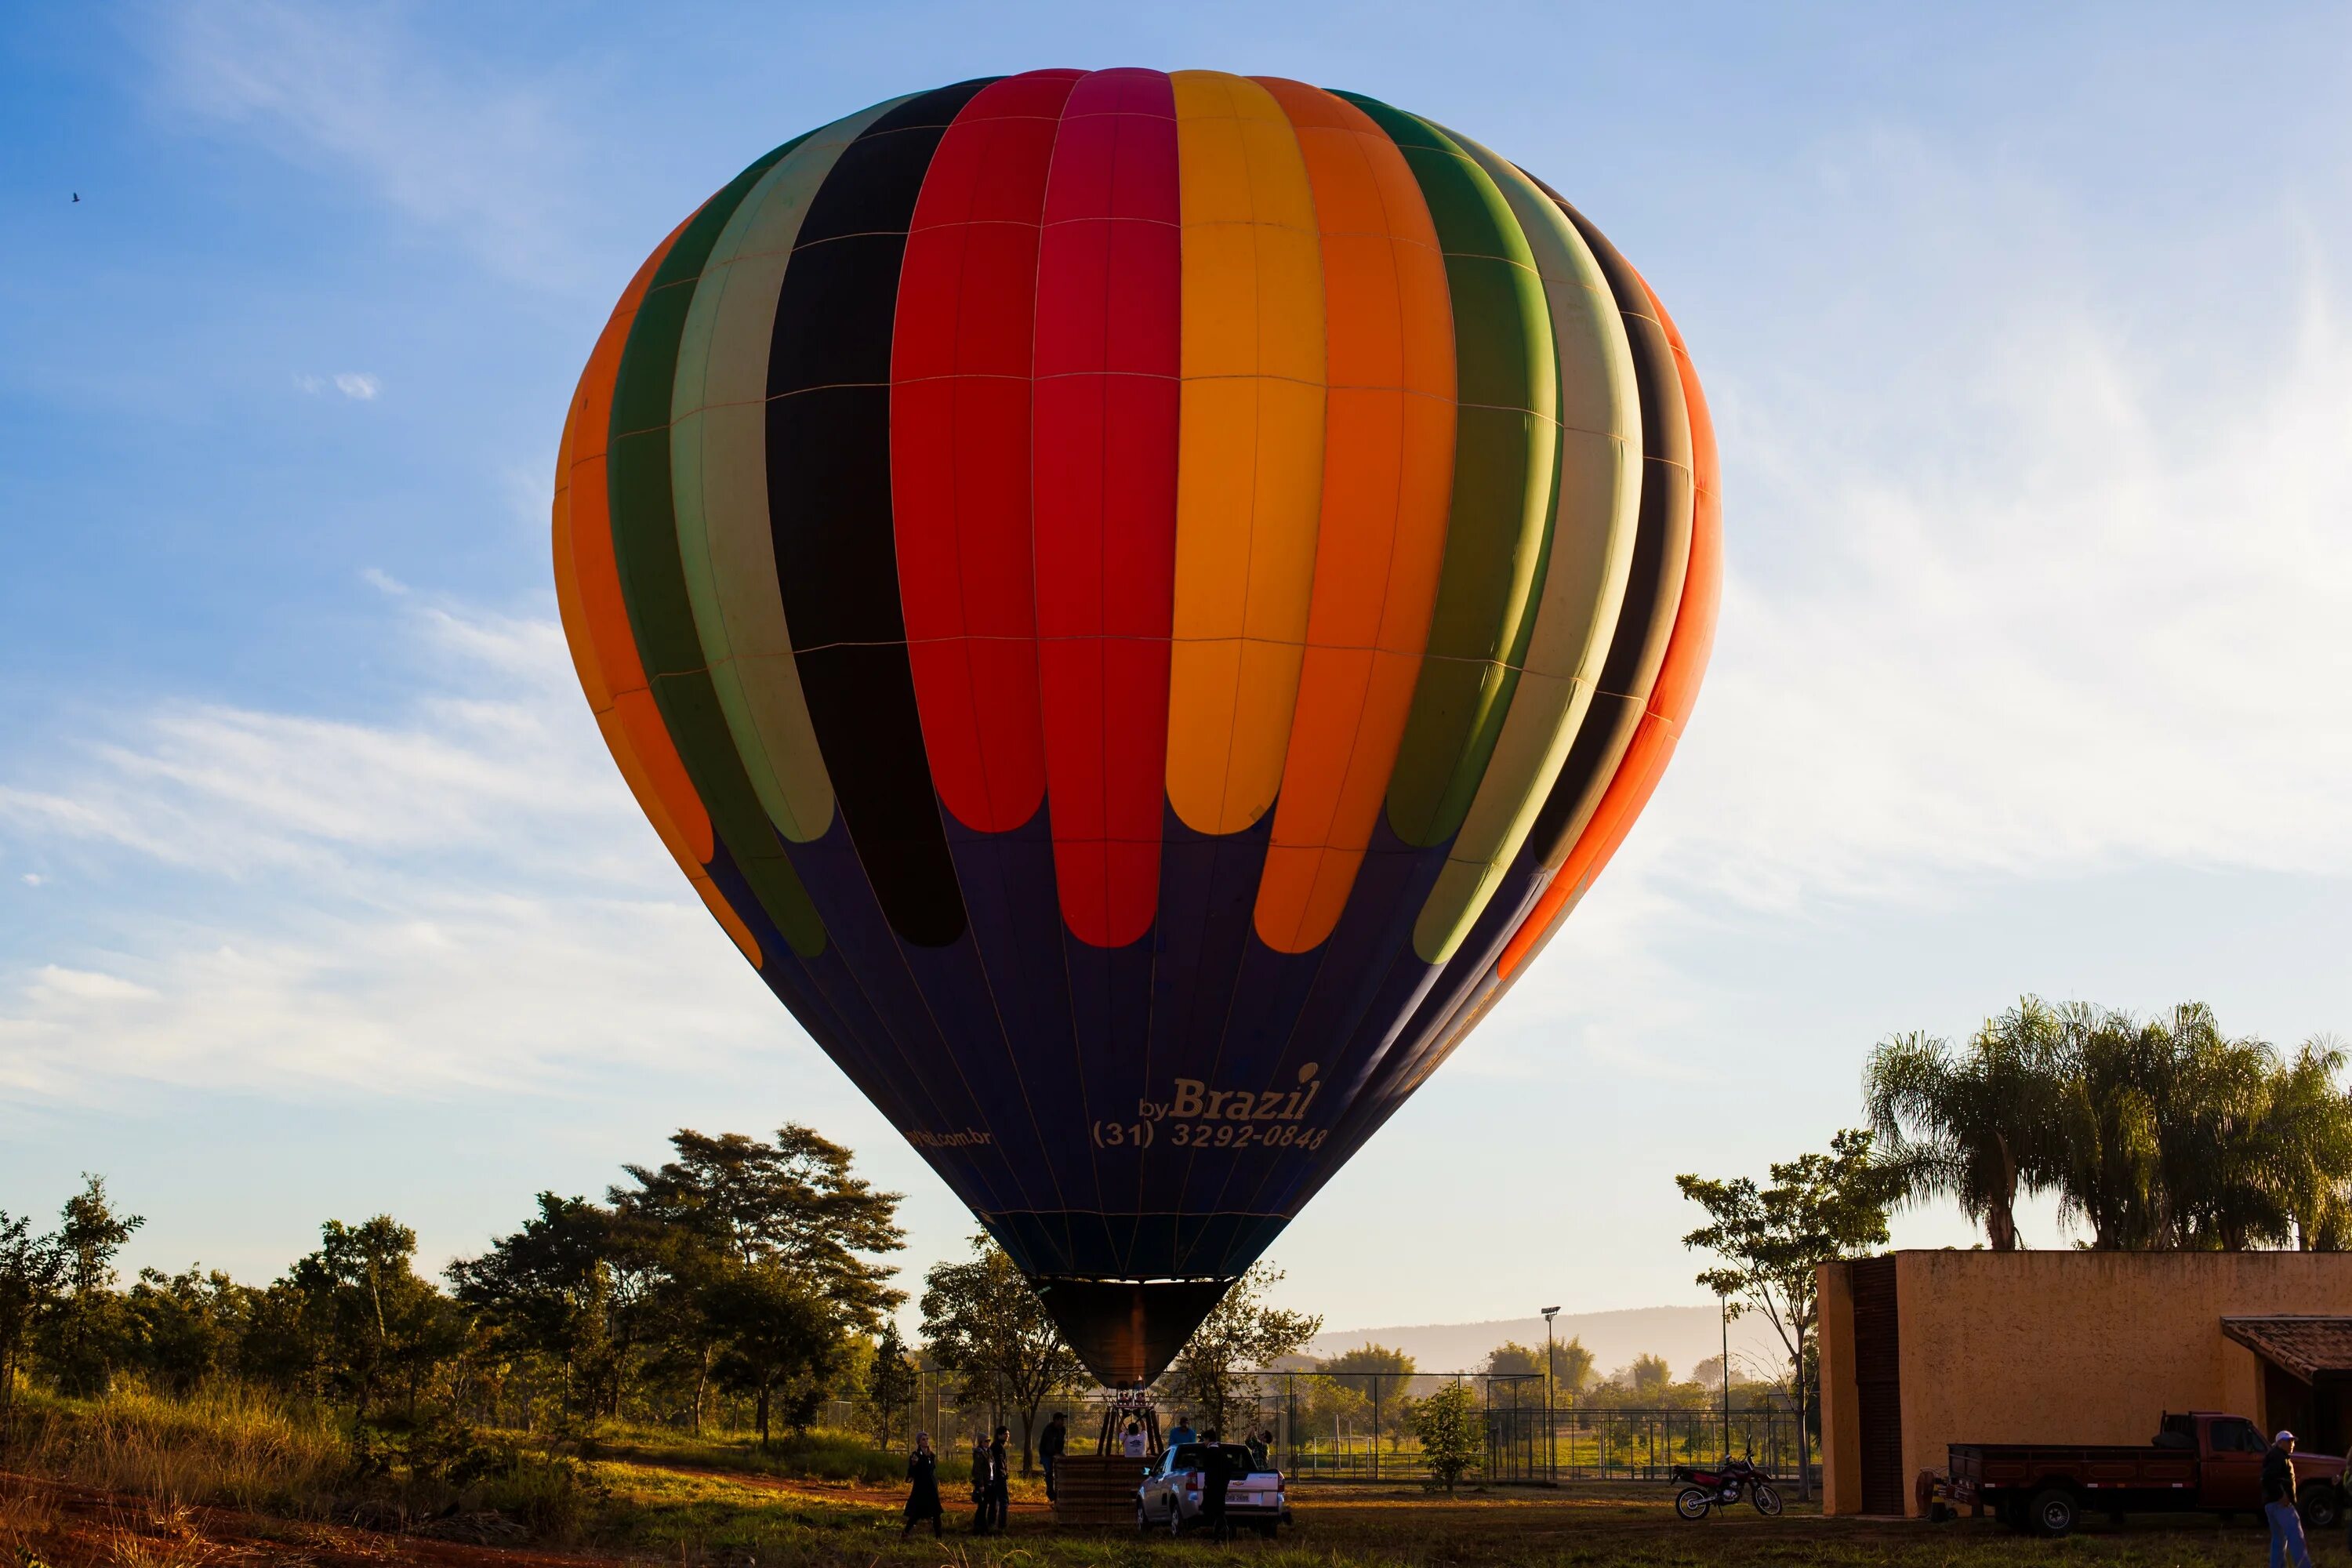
2052, 1513
2321, 1505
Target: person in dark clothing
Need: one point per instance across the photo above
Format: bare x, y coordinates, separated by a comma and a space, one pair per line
1259, 1449
1216, 1475
2278, 1503
980, 1486
923, 1487
1050, 1444
998, 1509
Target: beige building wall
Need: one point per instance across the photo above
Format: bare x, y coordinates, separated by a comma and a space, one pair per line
1841, 1427
2067, 1347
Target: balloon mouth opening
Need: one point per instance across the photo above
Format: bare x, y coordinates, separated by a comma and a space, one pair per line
1127, 1331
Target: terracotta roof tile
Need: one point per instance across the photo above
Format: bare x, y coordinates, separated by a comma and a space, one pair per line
2303, 1346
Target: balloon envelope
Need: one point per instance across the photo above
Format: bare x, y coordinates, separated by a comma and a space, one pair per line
1138, 601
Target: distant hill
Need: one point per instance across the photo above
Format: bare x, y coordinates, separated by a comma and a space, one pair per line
1684, 1335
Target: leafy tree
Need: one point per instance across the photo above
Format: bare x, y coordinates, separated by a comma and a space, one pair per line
891, 1380
1571, 1363
548, 1291
88, 1335
185, 1327
1213, 1374
1818, 1208
793, 1201
985, 1326
32, 1274
370, 1324
1377, 1376
1971, 1124
780, 1340
1648, 1378
1453, 1433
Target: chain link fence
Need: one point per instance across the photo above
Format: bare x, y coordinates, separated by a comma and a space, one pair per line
1359, 1426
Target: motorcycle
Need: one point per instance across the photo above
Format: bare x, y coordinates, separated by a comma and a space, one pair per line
1723, 1485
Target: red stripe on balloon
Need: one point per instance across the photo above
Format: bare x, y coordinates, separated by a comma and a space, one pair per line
959, 430
1104, 451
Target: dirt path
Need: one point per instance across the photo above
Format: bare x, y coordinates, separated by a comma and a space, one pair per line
886, 1495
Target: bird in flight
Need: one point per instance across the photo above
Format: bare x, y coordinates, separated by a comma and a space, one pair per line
77, 196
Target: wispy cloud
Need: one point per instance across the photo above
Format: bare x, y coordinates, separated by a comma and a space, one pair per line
457, 895
2086, 609
352, 383
470, 153
2020, 589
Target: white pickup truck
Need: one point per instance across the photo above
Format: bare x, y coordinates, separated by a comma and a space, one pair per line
1169, 1497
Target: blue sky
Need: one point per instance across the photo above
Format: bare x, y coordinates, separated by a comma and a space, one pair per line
2026, 333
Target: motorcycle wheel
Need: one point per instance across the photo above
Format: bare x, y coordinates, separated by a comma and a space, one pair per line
1767, 1500
1692, 1502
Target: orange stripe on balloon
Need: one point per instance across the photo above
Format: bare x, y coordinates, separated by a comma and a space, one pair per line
1673, 697
1250, 458
1388, 467
596, 625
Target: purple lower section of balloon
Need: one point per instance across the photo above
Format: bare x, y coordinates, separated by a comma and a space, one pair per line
1155, 1111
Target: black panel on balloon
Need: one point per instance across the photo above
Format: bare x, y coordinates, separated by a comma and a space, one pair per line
1661, 554
829, 511
1127, 1331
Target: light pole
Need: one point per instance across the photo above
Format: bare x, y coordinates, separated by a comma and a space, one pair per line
1552, 1422
1723, 1315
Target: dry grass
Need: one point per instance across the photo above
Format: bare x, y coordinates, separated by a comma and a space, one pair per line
225, 1445
233, 1446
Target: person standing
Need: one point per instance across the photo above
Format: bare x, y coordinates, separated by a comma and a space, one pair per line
1050, 1444
1181, 1432
1259, 1450
998, 1509
923, 1487
2278, 1503
1131, 1443
980, 1486
1216, 1475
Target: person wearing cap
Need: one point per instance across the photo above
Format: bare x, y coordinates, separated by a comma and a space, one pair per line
2278, 1503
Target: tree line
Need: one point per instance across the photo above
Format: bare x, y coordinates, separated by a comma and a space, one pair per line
742, 1280
738, 1269
2163, 1132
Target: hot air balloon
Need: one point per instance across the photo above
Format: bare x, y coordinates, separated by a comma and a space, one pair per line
1139, 601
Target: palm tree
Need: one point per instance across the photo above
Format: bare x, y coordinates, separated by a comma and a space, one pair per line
2309, 1129
1976, 1124
2219, 1151
2114, 1086
2174, 1135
